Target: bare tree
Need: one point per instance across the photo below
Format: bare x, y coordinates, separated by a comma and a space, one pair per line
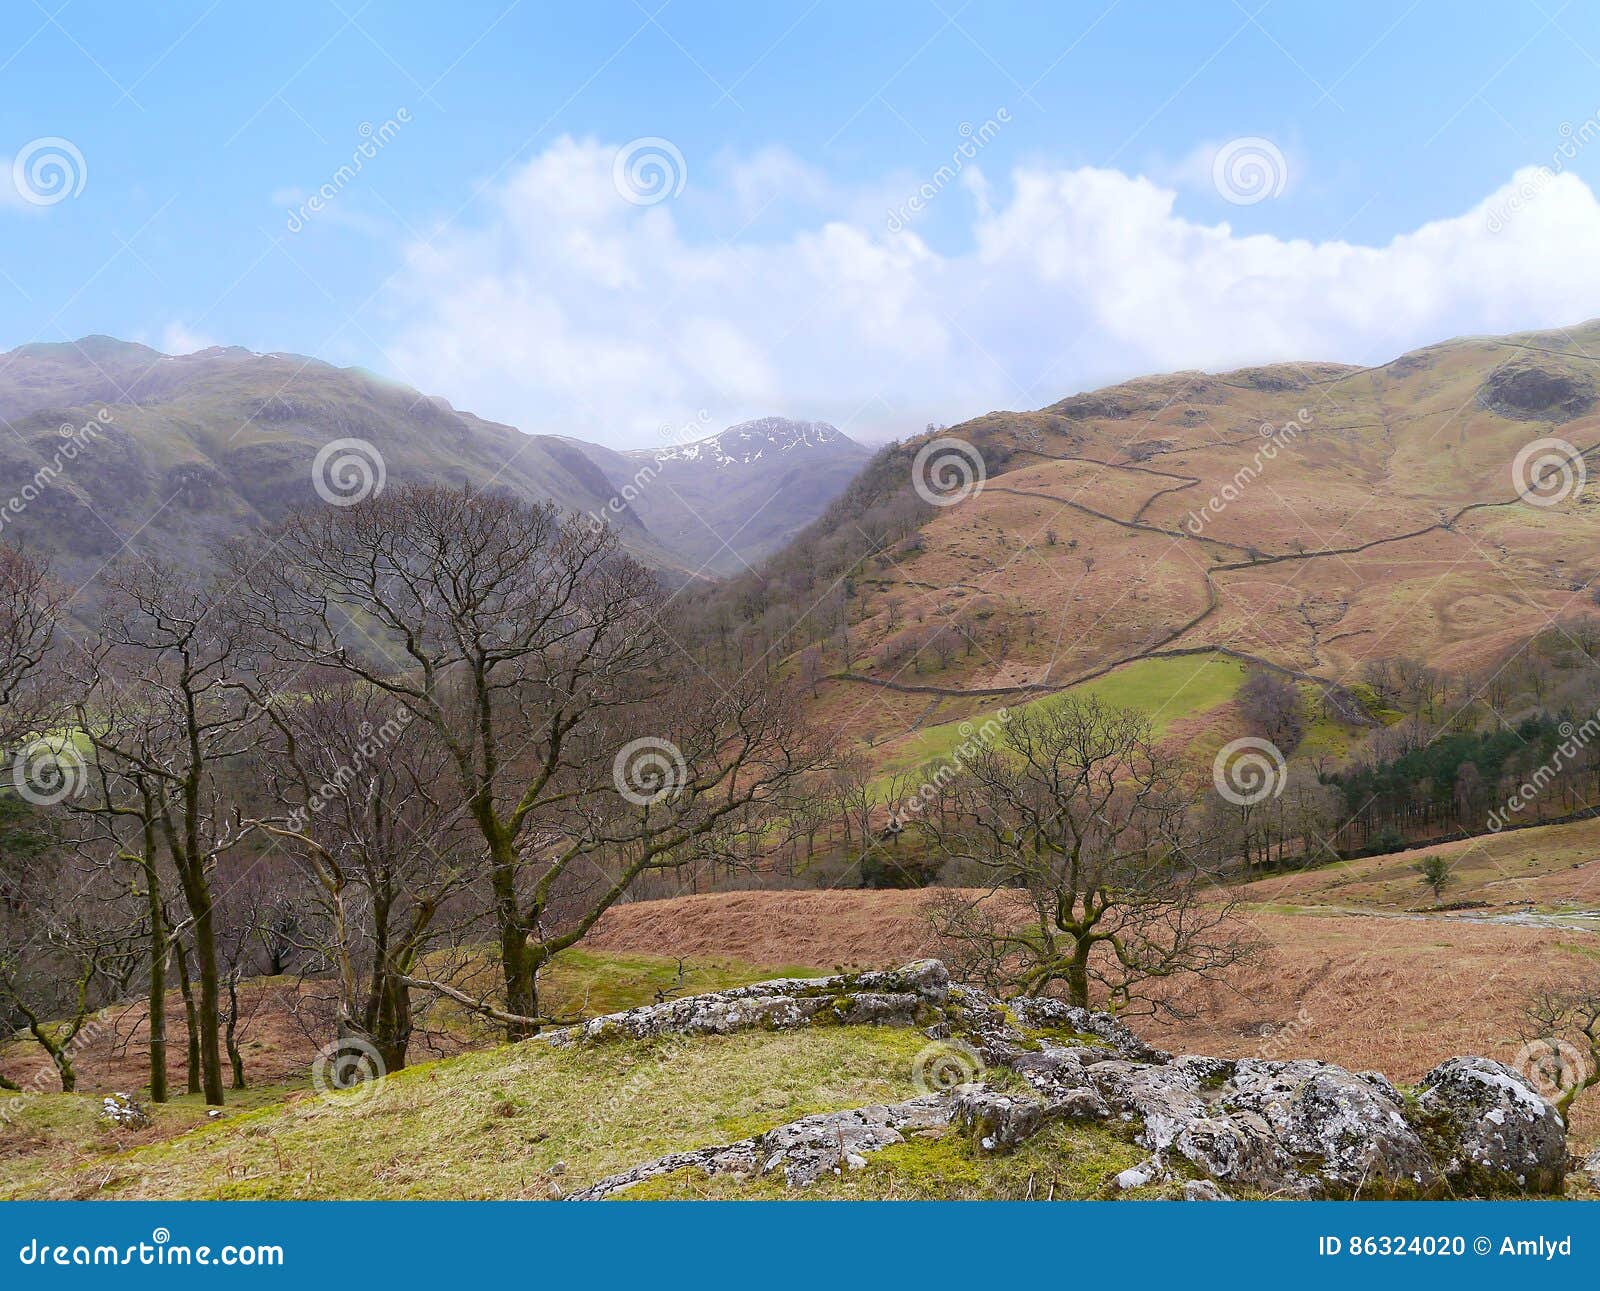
1270, 703
64, 954
1082, 818
163, 698
30, 604
1564, 1030
537, 654
117, 825
363, 803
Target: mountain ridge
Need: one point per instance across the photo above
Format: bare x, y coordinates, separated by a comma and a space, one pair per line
181, 452
1311, 516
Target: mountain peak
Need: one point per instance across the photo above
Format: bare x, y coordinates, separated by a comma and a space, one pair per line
752, 441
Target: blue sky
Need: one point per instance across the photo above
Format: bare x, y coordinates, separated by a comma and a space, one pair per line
485, 253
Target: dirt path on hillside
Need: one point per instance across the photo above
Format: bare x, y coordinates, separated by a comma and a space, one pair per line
1166, 646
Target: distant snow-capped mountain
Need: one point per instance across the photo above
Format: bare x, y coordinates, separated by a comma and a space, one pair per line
177, 454
750, 441
727, 500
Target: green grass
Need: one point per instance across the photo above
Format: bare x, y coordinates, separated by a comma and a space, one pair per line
1168, 690
523, 1120
1064, 1162
589, 983
54, 1142
48, 1138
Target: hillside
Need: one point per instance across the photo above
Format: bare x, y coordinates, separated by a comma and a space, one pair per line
885, 1084
1347, 945
1312, 516
115, 446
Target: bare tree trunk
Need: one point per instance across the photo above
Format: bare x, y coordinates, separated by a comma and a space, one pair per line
158, 985
208, 1012
235, 1058
391, 1030
186, 986
1078, 976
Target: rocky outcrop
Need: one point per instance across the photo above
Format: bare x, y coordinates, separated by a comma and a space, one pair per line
803, 1151
997, 1122
1494, 1129
899, 997
1530, 391
1292, 1128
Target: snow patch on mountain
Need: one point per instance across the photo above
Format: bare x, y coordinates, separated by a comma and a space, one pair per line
748, 442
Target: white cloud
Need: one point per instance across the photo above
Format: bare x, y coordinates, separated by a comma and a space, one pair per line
568, 309
11, 198
178, 339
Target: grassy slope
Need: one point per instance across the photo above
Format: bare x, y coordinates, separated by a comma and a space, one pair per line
1548, 869
1080, 549
1169, 689
530, 1121
516, 1121
1172, 690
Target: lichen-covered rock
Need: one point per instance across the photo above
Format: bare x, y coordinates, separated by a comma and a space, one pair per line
1057, 1076
1141, 1090
897, 997
803, 1150
1203, 1190
1297, 1128
1347, 1128
125, 1110
1042, 1013
1284, 1128
997, 1122
983, 1022
1210, 1073
1144, 1174
1493, 1129
810, 1147
1384, 1086
1176, 1117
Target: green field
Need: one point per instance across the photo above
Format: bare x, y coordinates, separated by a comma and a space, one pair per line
1167, 689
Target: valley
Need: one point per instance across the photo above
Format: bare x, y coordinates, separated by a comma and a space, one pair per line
831, 676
